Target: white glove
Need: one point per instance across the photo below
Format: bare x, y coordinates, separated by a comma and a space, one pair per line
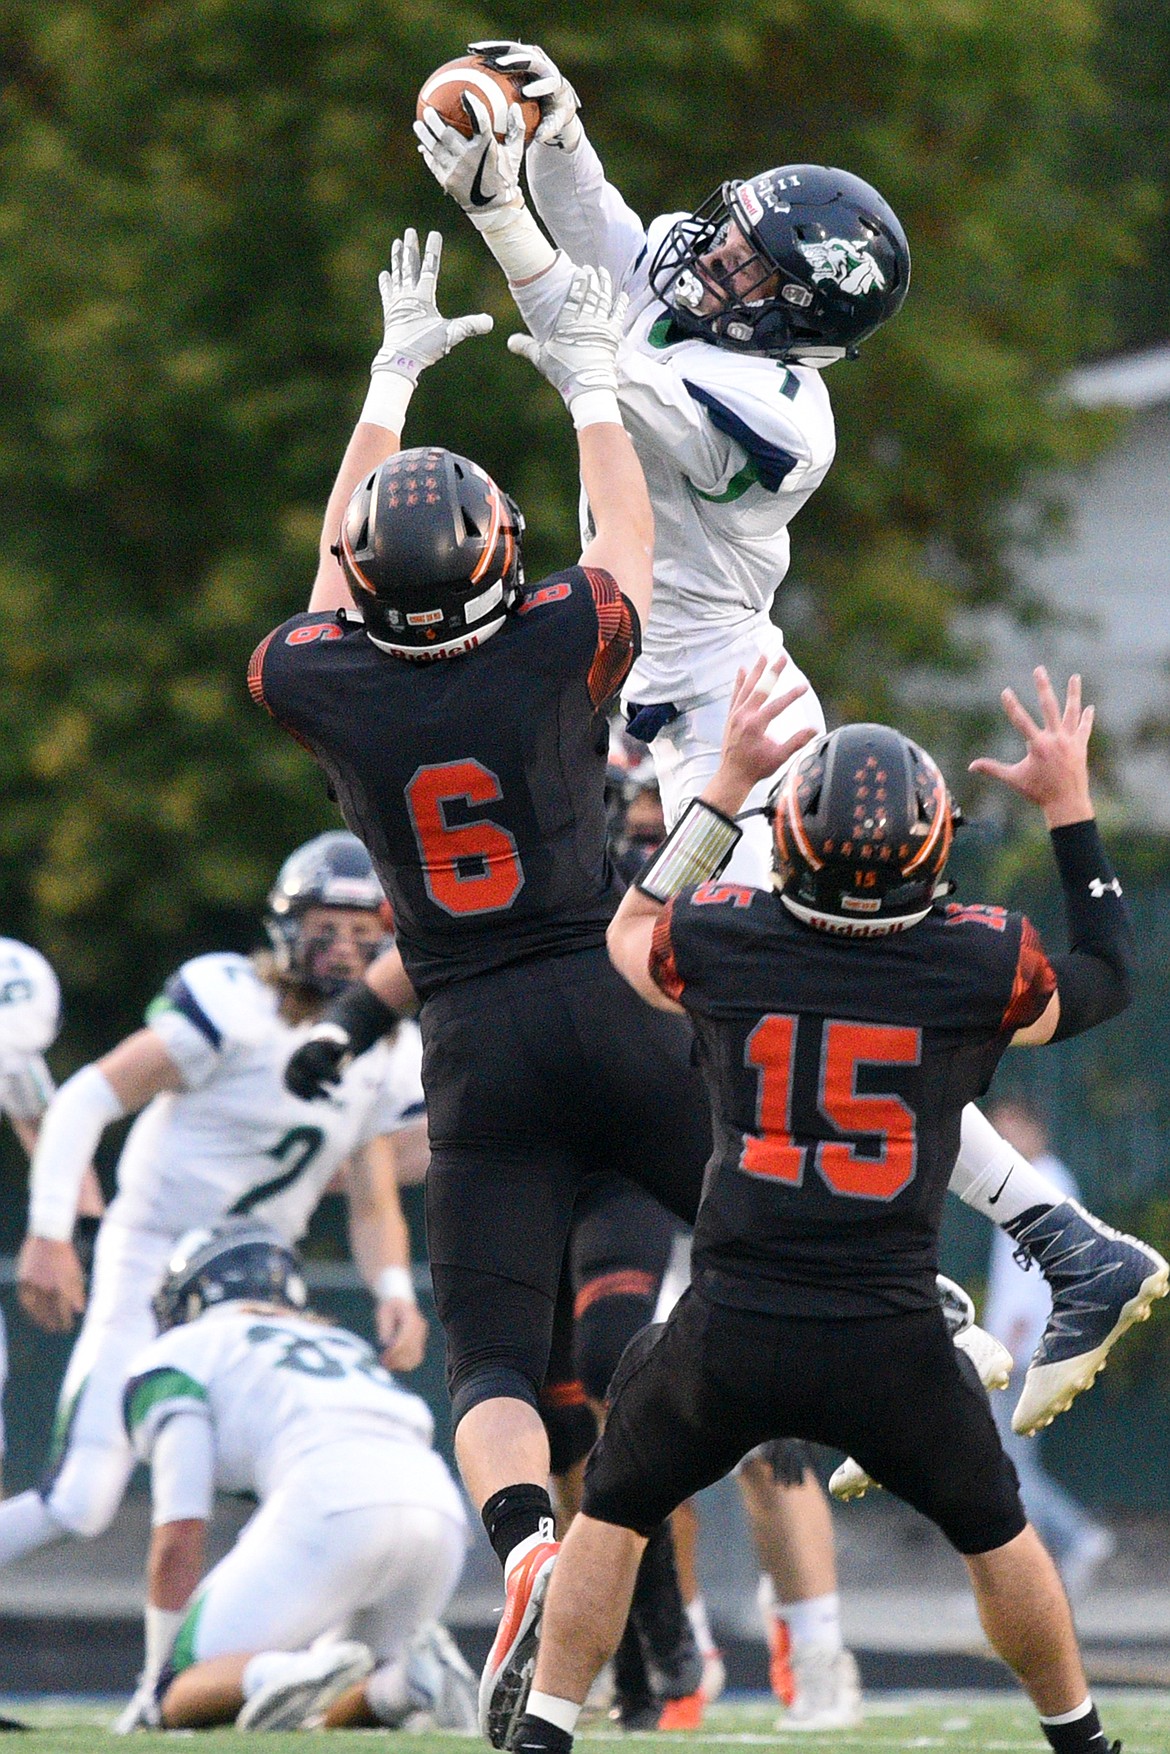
414, 335
559, 103
481, 173
581, 353
142, 1713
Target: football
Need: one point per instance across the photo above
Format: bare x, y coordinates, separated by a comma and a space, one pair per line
444, 90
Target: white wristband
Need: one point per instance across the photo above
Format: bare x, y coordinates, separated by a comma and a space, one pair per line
387, 400
595, 408
395, 1282
516, 241
74, 1122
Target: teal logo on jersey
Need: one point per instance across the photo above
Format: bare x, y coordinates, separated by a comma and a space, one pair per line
850, 266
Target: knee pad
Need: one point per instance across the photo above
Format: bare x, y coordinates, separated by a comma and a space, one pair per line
84, 1493
488, 1382
608, 1315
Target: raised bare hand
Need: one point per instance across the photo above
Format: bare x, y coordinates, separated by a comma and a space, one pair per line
1053, 772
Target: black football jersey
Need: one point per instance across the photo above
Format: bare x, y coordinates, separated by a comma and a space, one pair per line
837, 1070
476, 782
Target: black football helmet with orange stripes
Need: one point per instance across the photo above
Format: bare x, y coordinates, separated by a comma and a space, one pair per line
431, 550
862, 826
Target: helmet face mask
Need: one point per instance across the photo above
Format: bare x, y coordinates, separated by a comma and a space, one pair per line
431, 551
240, 1260
862, 827
332, 871
826, 262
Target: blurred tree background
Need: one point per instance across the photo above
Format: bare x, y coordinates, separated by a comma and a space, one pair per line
195, 199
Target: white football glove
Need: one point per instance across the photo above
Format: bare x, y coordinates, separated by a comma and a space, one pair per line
481, 173
581, 352
559, 103
414, 334
142, 1713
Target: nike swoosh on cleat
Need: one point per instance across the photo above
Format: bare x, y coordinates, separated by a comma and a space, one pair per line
992, 1198
475, 195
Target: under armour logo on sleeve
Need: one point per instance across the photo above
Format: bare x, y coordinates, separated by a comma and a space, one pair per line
1098, 887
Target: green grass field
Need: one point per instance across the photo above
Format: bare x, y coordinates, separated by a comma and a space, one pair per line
981, 1723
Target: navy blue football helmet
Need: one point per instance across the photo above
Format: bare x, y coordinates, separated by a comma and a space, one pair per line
829, 264
332, 870
240, 1259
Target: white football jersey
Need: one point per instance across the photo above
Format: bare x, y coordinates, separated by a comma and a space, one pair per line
235, 1140
731, 444
279, 1388
30, 1016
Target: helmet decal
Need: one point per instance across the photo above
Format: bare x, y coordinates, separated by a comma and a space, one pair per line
849, 265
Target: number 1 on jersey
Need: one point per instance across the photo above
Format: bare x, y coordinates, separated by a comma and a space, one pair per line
495, 877
773, 1152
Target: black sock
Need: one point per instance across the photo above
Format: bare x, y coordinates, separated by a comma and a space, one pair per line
514, 1513
535, 1735
1083, 1736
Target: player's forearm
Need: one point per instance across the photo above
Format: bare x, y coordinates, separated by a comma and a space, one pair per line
388, 979
74, 1122
175, 1565
370, 445
1094, 978
585, 214
622, 516
379, 1238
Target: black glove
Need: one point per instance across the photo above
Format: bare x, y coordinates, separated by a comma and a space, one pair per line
353, 1023
319, 1062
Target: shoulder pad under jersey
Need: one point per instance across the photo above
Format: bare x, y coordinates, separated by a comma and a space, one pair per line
222, 995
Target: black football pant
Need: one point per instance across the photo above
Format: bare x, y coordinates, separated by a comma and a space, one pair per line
537, 1077
692, 1397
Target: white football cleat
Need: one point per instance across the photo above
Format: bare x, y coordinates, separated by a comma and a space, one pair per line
1102, 1282
307, 1687
443, 1690
850, 1480
828, 1690
992, 1360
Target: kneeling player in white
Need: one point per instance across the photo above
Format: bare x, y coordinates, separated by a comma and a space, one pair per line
734, 312
359, 1539
219, 1135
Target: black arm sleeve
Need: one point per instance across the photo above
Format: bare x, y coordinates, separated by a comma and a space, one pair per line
1094, 977
363, 1015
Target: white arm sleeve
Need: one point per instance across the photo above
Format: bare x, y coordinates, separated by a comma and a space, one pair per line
587, 216
182, 1470
74, 1122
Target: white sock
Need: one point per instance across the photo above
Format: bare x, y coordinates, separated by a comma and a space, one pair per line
814, 1621
561, 1712
991, 1177
268, 1666
1070, 1717
700, 1625
26, 1523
